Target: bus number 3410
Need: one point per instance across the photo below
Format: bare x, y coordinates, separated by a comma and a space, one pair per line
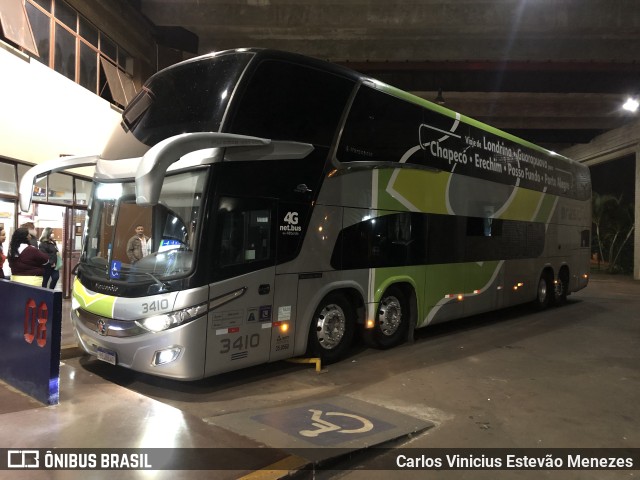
243, 342
155, 306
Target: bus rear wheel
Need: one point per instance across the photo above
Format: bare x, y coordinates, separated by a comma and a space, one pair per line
392, 320
562, 287
545, 291
332, 328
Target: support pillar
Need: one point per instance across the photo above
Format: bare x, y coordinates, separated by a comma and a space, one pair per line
611, 145
636, 231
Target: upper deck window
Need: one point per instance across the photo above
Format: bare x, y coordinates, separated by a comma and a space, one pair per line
383, 128
191, 97
380, 128
287, 101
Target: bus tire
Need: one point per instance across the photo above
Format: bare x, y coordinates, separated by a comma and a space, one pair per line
332, 329
562, 287
544, 291
392, 320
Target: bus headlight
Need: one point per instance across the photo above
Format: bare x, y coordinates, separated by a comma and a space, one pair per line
159, 323
167, 355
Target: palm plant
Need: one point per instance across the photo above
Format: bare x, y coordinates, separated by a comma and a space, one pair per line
614, 224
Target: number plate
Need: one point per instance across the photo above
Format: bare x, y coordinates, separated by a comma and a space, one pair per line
108, 356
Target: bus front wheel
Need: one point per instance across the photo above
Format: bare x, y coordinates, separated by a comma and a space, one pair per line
391, 322
332, 328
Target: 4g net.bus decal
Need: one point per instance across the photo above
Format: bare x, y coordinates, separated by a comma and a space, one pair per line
291, 228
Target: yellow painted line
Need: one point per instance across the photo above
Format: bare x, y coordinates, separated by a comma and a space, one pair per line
277, 470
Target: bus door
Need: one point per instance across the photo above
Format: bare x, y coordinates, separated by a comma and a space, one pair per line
291, 219
284, 317
241, 302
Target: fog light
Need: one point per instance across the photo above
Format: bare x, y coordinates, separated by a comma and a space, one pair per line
168, 355
370, 323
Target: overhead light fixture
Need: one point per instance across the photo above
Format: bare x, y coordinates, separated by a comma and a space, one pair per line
439, 98
631, 105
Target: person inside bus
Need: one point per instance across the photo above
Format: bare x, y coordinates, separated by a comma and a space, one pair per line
26, 261
3, 237
49, 247
139, 245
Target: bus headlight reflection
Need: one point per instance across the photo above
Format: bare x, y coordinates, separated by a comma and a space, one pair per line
159, 323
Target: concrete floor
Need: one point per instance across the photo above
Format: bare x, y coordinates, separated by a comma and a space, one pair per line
567, 377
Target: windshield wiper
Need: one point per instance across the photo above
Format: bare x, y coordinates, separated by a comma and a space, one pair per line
162, 286
137, 108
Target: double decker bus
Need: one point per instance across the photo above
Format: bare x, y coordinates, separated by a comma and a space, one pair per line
291, 206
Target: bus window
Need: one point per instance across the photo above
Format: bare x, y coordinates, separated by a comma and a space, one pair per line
380, 128
244, 236
286, 101
130, 216
386, 241
173, 103
168, 227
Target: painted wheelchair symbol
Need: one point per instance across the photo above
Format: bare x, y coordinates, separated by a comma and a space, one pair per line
324, 426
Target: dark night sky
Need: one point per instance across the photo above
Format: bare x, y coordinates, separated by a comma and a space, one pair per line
615, 177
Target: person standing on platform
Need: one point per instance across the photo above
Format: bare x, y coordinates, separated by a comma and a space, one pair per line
26, 261
49, 247
33, 234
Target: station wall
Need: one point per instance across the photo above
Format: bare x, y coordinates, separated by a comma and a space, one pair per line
45, 115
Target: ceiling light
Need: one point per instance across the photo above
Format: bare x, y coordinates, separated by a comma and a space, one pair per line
631, 104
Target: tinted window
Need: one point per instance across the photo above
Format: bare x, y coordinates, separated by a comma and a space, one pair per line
418, 239
496, 239
188, 98
286, 101
244, 236
445, 239
390, 240
383, 128
379, 128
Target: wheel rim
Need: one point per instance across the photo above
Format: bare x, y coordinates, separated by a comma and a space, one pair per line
559, 288
542, 291
389, 315
330, 326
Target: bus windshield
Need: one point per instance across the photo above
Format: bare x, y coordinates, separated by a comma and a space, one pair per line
172, 102
142, 244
